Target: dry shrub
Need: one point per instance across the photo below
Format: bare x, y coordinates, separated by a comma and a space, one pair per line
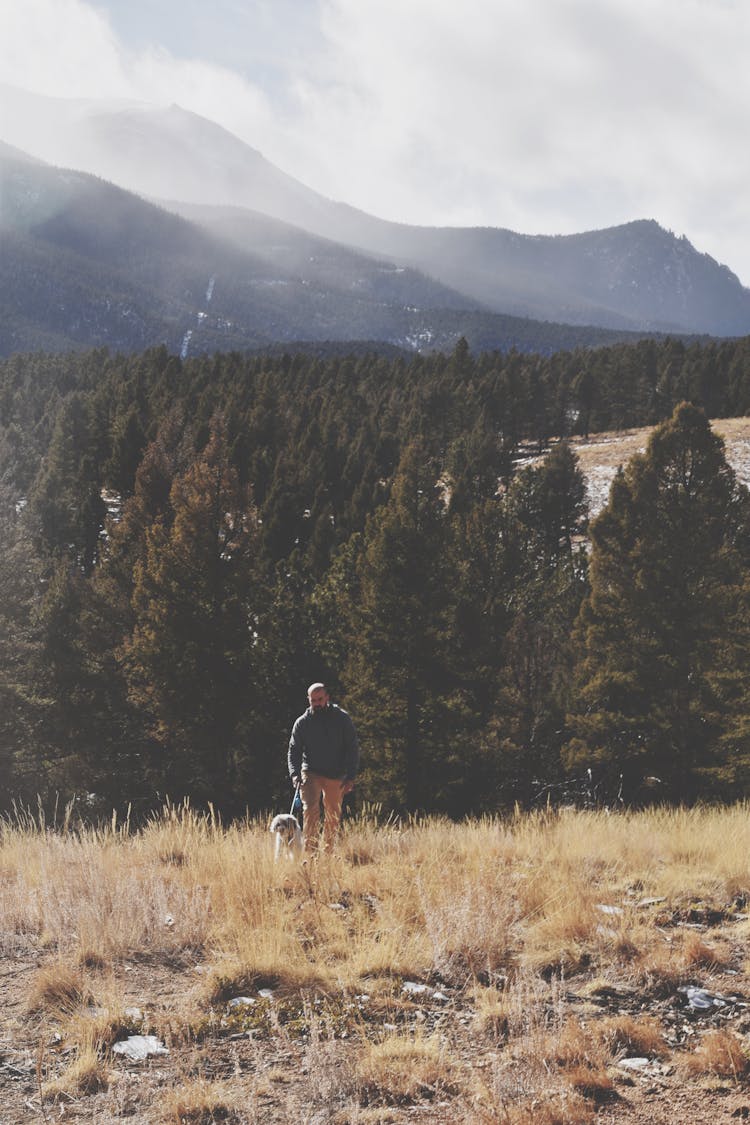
583, 1057
720, 1053
492, 1012
642, 1036
86, 1075
200, 1102
472, 927
523, 1091
660, 971
285, 978
401, 1070
59, 989
696, 953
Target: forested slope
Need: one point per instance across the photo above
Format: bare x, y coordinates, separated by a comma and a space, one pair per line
186, 545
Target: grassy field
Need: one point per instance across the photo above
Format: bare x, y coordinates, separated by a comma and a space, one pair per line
490, 971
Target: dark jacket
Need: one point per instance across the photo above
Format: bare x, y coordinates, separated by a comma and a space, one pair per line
324, 742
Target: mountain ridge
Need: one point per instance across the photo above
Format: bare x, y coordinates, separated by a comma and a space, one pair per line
85, 263
635, 277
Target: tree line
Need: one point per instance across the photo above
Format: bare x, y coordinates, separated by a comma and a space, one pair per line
187, 545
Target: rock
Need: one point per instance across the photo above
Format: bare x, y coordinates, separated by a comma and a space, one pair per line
638, 1064
241, 1002
136, 1048
413, 988
701, 1000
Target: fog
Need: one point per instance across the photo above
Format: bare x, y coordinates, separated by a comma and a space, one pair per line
542, 116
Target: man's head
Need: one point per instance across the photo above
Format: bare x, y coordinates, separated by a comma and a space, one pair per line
318, 696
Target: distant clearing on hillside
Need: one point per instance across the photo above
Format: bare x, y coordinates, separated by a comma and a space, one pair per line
602, 454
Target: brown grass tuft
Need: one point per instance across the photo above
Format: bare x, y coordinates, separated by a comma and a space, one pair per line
591, 1082
59, 989
200, 1102
722, 1054
642, 1036
402, 1070
235, 978
85, 1076
696, 953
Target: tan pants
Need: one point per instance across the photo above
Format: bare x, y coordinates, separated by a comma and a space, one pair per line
314, 785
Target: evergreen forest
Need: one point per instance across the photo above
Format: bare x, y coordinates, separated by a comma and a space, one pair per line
186, 545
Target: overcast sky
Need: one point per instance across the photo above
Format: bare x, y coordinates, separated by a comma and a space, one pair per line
544, 116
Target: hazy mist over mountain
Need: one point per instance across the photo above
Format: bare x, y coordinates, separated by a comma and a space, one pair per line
636, 277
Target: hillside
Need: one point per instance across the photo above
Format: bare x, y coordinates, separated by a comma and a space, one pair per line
636, 276
601, 455
86, 264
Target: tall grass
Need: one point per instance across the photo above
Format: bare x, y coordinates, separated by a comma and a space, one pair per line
493, 916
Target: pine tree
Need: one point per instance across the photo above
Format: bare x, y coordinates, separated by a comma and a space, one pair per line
22, 704
190, 660
397, 663
656, 683
66, 497
545, 509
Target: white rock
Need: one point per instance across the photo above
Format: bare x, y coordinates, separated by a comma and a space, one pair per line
139, 1047
413, 988
634, 1064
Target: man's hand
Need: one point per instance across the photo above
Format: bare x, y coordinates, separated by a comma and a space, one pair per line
295, 780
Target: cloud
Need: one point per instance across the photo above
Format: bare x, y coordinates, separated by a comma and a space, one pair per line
546, 116
541, 115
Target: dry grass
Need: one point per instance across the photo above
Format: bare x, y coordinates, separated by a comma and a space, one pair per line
404, 1069
200, 1102
86, 1075
635, 1036
496, 922
721, 1054
58, 989
601, 454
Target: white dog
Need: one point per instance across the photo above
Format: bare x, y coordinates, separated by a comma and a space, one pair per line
288, 835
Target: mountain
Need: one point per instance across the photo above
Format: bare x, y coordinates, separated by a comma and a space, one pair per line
636, 276
84, 263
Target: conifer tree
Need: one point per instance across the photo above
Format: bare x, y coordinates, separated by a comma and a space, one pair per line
190, 659
658, 635
545, 508
22, 703
66, 497
397, 665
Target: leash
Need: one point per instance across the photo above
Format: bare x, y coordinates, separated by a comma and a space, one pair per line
296, 801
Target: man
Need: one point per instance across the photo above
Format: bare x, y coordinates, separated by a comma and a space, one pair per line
323, 759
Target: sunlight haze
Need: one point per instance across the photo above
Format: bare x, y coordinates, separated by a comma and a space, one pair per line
542, 116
